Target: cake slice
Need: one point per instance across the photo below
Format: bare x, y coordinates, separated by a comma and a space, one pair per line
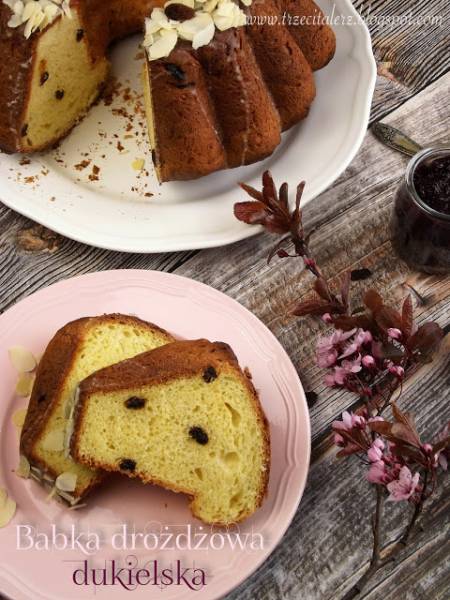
183, 416
77, 350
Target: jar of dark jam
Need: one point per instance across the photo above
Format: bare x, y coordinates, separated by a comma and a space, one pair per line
421, 218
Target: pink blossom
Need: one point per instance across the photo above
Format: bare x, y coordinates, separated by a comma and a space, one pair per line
375, 452
427, 448
397, 370
352, 366
377, 472
374, 420
394, 333
327, 358
339, 440
338, 337
442, 460
368, 361
329, 380
327, 318
349, 421
361, 337
403, 487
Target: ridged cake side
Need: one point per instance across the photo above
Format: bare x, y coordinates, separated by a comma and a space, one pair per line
185, 417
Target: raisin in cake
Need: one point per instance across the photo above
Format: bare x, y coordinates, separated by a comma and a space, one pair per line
183, 416
222, 79
77, 350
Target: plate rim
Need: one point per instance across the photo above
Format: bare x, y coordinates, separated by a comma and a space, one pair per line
124, 277
108, 241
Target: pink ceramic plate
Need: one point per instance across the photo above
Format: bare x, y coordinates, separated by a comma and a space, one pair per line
41, 568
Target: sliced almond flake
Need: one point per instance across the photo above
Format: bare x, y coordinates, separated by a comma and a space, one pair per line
52, 493
54, 441
7, 512
18, 417
22, 359
23, 470
66, 482
77, 506
24, 385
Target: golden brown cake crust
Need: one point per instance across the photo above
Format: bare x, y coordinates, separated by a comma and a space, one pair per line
188, 143
246, 113
163, 364
316, 39
285, 69
15, 75
51, 375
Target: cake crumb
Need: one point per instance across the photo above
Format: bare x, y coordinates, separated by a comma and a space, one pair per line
138, 164
95, 172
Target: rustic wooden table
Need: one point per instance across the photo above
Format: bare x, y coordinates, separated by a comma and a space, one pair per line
328, 544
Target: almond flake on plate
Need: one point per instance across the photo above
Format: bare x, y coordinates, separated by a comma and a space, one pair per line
22, 359
24, 385
23, 470
18, 417
7, 508
66, 482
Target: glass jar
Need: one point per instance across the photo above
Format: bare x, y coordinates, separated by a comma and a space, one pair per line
421, 229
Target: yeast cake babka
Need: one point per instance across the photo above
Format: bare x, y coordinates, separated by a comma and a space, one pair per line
77, 350
222, 79
183, 416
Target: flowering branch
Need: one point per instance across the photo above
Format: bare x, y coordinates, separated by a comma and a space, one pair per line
371, 351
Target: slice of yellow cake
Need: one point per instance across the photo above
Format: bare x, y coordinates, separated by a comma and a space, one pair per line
183, 416
77, 350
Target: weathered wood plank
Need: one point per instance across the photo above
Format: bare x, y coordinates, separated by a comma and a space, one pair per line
410, 48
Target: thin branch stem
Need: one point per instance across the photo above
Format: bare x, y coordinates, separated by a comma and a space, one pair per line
376, 563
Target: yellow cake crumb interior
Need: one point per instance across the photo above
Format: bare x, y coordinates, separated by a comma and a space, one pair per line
104, 344
65, 83
224, 474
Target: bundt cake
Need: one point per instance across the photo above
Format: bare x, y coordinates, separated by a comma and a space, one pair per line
221, 79
183, 416
77, 350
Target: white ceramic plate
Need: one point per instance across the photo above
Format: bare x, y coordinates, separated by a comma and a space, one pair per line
114, 211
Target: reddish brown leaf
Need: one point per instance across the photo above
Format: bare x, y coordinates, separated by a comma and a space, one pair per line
407, 420
347, 323
298, 197
405, 434
426, 339
252, 192
269, 191
284, 196
275, 224
407, 316
381, 427
386, 317
321, 287
250, 212
312, 307
441, 445
373, 300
